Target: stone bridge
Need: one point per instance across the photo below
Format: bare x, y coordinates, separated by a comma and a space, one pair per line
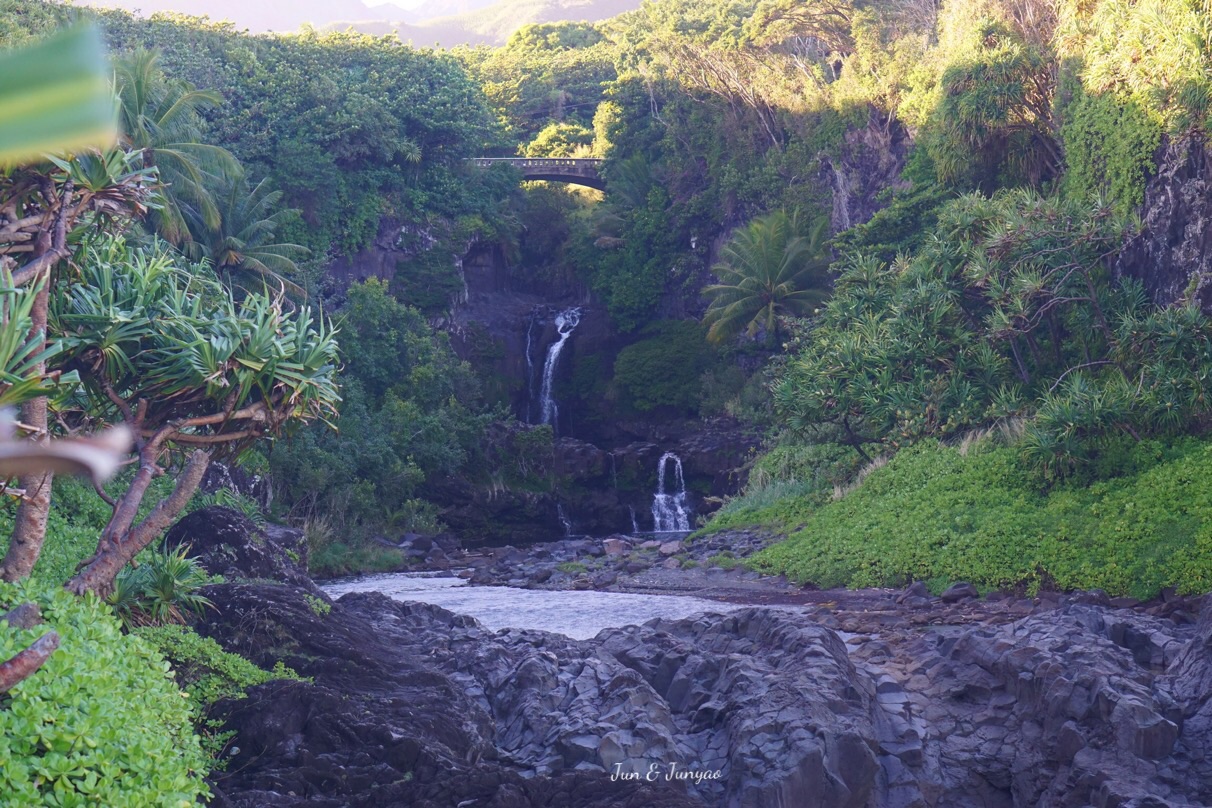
574, 170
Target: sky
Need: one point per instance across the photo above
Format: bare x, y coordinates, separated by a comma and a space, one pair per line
278, 15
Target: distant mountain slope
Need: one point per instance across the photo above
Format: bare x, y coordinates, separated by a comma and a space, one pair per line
490, 24
259, 17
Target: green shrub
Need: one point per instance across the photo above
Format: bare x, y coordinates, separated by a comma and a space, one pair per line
724, 561
319, 607
781, 505
939, 514
786, 485
1109, 148
229, 499
205, 671
101, 723
329, 557
160, 590
208, 674
664, 369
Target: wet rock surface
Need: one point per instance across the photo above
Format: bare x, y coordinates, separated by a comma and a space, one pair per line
668, 563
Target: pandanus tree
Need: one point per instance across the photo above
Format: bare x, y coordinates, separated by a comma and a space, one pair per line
42, 207
53, 96
769, 269
165, 350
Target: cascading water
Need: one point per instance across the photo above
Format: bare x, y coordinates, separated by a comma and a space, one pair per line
565, 322
529, 368
635, 526
564, 520
669, 510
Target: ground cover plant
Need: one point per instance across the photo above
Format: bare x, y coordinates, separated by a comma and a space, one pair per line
939, 514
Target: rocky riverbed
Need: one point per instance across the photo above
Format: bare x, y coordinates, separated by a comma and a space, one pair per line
872, 698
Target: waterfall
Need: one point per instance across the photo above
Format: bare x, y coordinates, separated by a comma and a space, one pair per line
564, 520
529, 369
565, 322
669, 510
635, 526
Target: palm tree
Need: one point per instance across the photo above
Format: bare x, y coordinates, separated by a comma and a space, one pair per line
159, 118
242, 242
768, 269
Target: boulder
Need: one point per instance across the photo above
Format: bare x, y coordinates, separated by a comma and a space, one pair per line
381, 725
1171, 255
615, 546
961, 590
1071, 706
915, 590
228, 543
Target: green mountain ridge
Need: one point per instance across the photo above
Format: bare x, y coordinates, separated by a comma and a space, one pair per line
489, 25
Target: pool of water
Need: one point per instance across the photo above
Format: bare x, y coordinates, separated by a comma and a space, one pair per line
576, 614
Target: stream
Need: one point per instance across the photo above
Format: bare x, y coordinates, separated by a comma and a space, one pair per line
576, 614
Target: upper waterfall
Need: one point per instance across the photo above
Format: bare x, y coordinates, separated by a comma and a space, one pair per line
565, 322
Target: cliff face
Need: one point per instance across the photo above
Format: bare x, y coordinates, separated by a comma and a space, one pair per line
869, 162
602, 471
1172, 254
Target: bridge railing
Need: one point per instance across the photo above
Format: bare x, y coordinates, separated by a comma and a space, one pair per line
541, 162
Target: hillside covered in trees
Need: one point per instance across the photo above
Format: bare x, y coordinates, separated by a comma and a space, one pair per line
921, 288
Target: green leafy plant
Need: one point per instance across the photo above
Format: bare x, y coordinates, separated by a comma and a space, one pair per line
102, 722
163, 589
318, 606
227, 498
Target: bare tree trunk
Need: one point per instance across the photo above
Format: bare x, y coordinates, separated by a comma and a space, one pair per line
29, 528
120, 543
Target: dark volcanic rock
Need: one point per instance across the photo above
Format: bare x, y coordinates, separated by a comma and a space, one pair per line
1074, 705
870, 162
1172, 255
227, 543
380, 725
960, 590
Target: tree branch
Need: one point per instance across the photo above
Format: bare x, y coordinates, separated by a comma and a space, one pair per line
25, 663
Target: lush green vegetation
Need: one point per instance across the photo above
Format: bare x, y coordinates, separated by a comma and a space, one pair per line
350, 128
410, 413
102, 722
977, 398
939, 514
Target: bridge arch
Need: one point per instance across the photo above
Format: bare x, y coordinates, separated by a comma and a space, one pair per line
573, 170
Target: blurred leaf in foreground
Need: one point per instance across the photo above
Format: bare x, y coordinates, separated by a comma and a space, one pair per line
55, 96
